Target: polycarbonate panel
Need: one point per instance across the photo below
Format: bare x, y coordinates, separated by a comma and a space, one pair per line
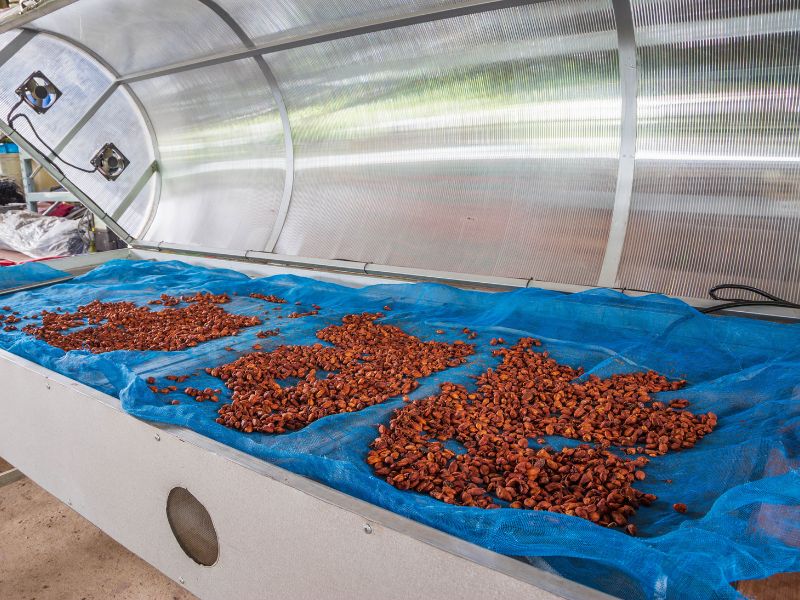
80, 80
7, 37
134, 219
133, 36
222, 156
484, 144
264, 19
717, 186
118, 122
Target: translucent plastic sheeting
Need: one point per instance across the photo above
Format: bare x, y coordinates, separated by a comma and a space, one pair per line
43, 237
222, 156
741, 482
133, 36
475, 144
715, 195
134, 219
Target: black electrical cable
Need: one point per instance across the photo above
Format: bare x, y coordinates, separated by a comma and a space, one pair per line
10, 120
770, 300
13, 109
46, 145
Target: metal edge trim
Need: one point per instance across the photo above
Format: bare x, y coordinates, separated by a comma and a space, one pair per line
35, 286
10, 476
483, 281
629, 84
73, 266
288, 143
191, 249
134, 192
385, 271
82, 263
307, 263
137, 102
465, 8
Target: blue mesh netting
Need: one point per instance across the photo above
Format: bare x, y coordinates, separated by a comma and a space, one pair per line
741, 483
29, 273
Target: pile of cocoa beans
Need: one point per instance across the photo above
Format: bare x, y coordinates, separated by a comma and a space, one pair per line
530, 395
125, 326
367, 364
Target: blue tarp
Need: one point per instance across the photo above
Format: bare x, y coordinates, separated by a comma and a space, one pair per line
26, 274
741, 482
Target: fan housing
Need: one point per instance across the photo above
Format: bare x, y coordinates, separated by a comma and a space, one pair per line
110, 162
39, 92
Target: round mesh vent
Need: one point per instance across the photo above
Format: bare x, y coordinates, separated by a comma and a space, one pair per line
191, 524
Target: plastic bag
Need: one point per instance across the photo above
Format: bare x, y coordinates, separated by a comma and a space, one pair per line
42, 237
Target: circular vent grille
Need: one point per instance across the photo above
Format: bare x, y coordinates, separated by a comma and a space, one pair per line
191, 524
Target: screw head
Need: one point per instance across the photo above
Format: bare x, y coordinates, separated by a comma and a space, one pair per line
367, 528
181, 580
157, 437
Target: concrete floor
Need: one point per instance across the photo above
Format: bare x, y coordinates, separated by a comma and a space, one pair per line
49, 552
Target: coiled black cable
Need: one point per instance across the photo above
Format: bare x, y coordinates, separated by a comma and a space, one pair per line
770, 300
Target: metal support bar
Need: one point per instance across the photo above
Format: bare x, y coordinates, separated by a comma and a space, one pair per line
345, 266
333, 32
629, 84
138, 187
10, 477
288, 146
288, 181
361, 268
16, 45
65, 182
463, 279
28, 186
85, 118
35, 286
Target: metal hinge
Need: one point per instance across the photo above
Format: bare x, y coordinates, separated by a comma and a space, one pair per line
28, 5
